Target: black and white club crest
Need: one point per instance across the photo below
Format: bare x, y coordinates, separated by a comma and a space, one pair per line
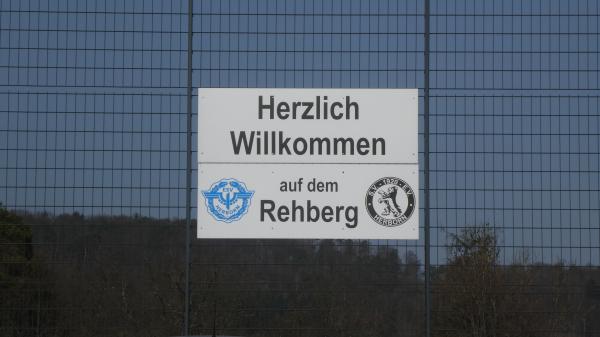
390, 201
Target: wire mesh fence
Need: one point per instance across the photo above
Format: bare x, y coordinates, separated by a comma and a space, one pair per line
93, 145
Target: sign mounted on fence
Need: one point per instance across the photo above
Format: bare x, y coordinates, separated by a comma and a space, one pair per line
308, 163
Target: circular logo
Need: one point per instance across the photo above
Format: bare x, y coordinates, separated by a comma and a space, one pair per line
390, 201
227, 200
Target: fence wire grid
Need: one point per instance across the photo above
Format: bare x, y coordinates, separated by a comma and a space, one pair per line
93, 158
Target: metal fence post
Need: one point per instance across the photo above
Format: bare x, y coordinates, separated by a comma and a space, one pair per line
426, 174
188, 193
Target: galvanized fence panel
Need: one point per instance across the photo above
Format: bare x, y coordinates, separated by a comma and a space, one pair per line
94, 141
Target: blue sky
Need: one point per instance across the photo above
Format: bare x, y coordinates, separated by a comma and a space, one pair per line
92, 102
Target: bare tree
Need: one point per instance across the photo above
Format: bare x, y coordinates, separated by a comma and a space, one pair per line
477, 296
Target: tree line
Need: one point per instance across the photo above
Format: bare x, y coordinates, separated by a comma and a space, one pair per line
75, 275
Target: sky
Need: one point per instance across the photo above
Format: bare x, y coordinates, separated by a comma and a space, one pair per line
93, 102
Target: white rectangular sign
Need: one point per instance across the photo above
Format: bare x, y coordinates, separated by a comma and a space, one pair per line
308, 163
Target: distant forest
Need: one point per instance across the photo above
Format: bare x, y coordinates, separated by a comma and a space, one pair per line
80, 276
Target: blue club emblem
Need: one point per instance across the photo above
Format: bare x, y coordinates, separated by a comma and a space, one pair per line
227, 200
